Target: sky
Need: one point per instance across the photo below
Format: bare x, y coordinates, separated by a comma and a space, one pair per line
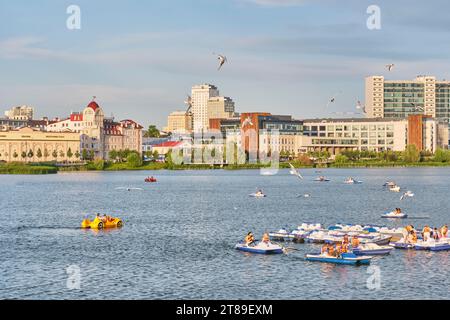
140, 58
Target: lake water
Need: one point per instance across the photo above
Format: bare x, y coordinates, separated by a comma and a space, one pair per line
179, 235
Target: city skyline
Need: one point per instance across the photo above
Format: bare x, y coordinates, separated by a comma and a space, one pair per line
142, 63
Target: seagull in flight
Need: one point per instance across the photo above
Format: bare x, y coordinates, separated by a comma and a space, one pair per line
417, 108
295, 172
247, 122
333, 99
407, 194
390, 66
188, 102
359, 106
222, 59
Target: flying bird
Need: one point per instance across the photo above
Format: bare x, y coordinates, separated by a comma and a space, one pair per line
247, 122
333, 99
295, 172
222, 59
359, 106
417, 108
390, 66
188, 102
407, 194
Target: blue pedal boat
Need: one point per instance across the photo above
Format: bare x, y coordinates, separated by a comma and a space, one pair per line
345, 258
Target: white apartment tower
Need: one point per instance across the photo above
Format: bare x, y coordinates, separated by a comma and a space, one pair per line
200, 97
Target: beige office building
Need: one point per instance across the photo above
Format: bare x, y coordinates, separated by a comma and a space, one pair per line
28, 145
179, 122
337, 135
220, 108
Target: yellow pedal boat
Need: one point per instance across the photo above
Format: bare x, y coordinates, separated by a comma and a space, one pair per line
100, 223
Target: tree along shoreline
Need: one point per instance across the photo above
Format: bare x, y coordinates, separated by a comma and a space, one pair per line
36, 169
133, 161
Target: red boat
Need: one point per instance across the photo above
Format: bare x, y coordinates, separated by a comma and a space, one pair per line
150, 179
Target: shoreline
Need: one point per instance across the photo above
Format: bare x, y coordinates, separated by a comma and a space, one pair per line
36, 169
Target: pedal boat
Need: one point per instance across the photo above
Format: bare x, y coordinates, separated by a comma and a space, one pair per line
345, 258
260, 248
372, 249
100, 223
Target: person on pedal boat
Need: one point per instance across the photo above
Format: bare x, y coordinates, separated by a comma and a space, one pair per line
266, 238
346, 240
426, 233
355, 242
436, 235
331, 251
249, 239
444, 231
412, 237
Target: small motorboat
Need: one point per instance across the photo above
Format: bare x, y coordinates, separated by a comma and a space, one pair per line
395, 215
281, 235
260, 248
257, 195
345, 258
372, 249
389, 184
352, 181
322, 179
394, 188
150, 180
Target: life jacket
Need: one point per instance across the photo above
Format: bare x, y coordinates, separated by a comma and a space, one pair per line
444, 231
408, 228
426, 229
344, 248
331, 251
414, 237
266, 238
355, 242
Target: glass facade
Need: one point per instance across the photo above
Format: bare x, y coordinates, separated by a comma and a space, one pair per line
401, 99
442, 100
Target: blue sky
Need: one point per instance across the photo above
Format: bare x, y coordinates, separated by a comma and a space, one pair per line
140, 58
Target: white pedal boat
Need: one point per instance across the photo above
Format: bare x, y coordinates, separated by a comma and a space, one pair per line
260, 248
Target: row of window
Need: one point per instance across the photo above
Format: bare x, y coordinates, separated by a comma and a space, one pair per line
355, 127
372, 142
351, 135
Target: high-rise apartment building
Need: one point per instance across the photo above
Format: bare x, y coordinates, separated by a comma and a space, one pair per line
201, 94
401, 98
